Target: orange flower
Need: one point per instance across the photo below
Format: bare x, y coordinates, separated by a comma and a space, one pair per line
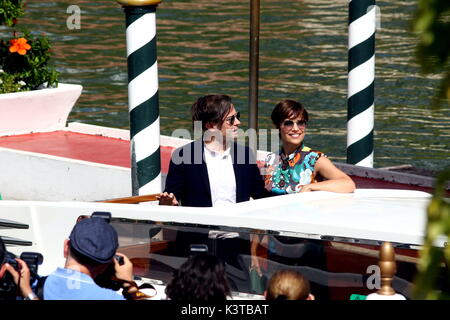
19, 45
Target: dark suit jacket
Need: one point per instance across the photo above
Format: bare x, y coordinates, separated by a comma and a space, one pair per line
188, 177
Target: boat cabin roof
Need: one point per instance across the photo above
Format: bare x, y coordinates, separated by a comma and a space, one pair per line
378, 215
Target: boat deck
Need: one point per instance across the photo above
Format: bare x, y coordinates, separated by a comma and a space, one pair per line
79, 146
102, 149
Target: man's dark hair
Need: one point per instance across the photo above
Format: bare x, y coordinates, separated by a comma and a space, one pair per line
201, 278
212, 108
82, 259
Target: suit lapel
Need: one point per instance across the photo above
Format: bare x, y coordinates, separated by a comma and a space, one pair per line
202, 169
238, 176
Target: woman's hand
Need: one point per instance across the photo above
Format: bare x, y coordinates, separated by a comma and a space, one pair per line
256, 241
255, 265
167, 199
21, 277
307, 188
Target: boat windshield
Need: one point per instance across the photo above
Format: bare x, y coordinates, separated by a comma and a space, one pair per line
335, 267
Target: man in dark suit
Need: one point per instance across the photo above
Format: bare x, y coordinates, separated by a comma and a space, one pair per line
215, 170
211, 172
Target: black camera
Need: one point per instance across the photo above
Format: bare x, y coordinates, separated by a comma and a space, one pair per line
8, 288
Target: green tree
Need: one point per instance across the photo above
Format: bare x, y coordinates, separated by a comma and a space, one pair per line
10, 10
24, 59
435, 261
432, 25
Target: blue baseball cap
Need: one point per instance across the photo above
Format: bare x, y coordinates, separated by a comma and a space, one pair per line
95, 239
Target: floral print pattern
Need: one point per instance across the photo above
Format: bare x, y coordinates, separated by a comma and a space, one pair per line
287, 174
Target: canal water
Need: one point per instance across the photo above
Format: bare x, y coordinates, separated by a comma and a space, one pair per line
203, 48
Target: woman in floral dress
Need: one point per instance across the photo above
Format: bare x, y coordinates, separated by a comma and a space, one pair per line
298, 168
295, 168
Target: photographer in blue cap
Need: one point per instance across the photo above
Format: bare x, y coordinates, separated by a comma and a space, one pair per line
89, 252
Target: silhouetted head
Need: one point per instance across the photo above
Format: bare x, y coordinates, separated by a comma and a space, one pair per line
288, 285
201, 278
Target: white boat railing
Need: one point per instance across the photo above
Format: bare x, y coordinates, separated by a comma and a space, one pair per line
367, 217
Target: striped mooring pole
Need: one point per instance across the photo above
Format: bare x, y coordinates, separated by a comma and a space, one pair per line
143, 102
361, 76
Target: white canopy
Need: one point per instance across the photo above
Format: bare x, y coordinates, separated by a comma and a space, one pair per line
369, 214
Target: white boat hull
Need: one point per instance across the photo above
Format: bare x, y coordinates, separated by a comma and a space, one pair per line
370, 214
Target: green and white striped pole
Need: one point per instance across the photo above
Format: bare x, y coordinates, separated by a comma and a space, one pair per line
143, 103
361, 76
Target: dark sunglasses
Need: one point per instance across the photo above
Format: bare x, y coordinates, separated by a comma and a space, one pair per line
289, 124
233, 118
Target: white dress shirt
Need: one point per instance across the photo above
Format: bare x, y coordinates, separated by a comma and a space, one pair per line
221, 177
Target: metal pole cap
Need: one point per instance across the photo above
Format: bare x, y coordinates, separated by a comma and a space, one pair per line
139, 3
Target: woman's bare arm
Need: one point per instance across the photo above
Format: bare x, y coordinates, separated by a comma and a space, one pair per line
335, 179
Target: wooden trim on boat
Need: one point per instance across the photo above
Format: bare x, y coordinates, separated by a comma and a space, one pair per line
133, 199
372, 252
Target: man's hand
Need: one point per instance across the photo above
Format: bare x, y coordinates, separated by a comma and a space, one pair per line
125, 271
167, 199
23, 274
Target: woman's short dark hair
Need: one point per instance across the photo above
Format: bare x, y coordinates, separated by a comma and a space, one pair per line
201, 278
288, 109
212, 108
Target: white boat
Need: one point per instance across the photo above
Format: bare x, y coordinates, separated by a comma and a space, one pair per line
332, 238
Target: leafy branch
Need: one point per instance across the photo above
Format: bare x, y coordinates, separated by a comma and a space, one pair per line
23, 59
432, 25
10, 10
